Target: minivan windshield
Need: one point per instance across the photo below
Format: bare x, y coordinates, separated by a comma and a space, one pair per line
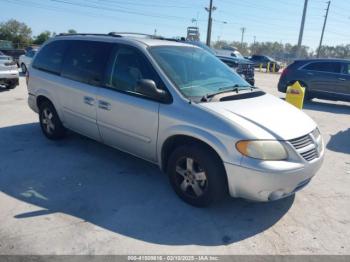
195, 72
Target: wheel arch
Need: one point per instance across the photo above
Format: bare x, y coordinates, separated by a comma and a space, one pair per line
41, 99
42, 96
176, 140
302, 83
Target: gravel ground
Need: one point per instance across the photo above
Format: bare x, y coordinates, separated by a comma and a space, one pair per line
77, 196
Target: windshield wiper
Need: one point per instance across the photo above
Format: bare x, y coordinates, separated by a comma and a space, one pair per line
236, 88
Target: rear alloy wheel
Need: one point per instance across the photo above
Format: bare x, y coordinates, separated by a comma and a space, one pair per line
24, 68
197, 175
50, 123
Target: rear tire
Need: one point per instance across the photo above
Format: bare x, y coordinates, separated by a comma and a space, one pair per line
197, 175
50, 122
307, 95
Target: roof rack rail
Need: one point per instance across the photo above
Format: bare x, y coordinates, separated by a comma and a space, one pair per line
121, 34
94, 34
130, 33
142, 34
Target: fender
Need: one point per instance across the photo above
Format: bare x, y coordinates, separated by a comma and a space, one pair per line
194, 132
43, 92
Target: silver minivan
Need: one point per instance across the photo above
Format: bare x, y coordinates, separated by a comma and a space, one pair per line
179, 107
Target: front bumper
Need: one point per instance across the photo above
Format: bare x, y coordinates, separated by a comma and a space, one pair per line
32, 103
278, 179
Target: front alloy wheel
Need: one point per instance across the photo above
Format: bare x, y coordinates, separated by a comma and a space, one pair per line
191, 178
197, 175
24, 68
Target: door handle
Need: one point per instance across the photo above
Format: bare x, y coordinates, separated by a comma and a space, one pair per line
310, 74
342, 79
89, 100
104, 105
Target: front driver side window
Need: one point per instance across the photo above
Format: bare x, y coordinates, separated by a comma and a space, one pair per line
130, 66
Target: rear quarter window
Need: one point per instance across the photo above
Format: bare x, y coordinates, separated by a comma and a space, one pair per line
50, 57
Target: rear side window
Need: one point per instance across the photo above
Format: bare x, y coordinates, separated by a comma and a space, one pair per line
330, 67
50, 57
85, 61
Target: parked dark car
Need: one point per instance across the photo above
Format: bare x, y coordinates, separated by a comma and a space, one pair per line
6, 48
244, 67
263, 60
322, 78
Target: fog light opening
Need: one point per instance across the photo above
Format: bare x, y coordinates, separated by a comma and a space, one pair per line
276, 195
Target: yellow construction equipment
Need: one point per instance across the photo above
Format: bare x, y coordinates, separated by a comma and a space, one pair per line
295, 95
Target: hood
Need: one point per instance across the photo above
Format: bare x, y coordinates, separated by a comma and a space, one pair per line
264, 117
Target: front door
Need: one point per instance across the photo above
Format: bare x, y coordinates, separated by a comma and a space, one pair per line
127, 119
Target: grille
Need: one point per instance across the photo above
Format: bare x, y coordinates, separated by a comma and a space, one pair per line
310, 155
307, 146
301, 142
246, 67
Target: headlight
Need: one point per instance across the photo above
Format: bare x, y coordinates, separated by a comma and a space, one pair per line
262, 149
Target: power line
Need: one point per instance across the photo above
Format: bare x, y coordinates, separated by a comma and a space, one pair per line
29, 4
118, 10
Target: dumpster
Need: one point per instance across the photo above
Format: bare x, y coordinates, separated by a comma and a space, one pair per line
295, 95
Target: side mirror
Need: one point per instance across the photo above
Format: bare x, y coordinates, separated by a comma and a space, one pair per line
149, 88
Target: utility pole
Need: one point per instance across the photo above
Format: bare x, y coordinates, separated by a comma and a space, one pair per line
302, 28
254, 44
324, 27
243, 30
210, 20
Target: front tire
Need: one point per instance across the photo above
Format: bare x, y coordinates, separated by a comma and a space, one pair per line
50, 122
24, 68
197, 175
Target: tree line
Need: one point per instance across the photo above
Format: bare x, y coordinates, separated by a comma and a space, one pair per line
285, 52
21, 36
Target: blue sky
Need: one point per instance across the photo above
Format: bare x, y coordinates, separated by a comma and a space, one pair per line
268, 20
